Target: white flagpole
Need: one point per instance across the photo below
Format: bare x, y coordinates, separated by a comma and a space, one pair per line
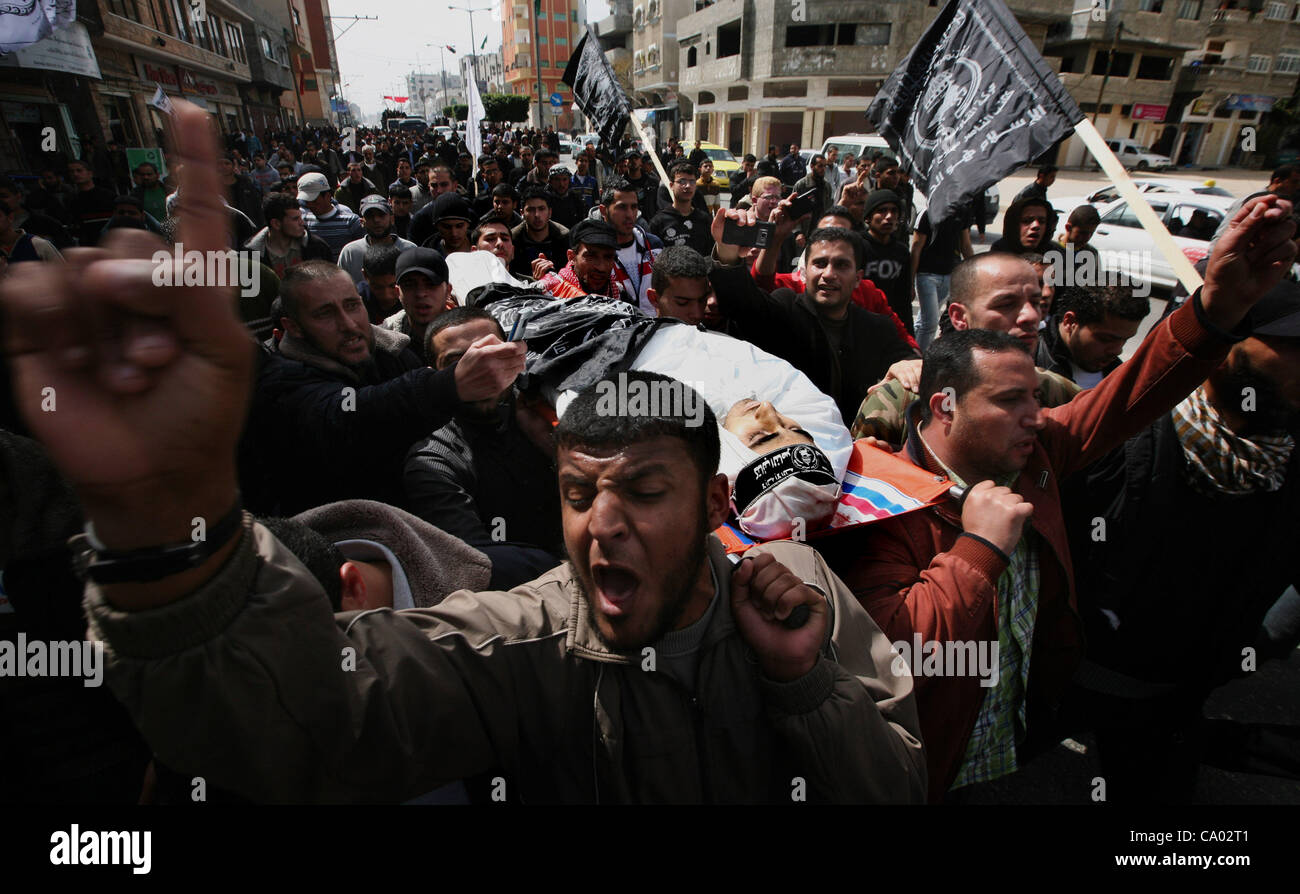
654, 150
1096, 144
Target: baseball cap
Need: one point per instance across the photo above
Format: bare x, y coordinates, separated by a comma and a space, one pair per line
558, 171
1278, 312
422, 260
373, 201
629, 155
310, 186
593, 232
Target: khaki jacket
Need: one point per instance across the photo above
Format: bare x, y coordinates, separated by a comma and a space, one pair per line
252, 683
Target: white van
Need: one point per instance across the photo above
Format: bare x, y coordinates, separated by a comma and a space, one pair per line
856, 144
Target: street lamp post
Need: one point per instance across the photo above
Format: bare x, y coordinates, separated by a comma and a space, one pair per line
537, 61
473, 42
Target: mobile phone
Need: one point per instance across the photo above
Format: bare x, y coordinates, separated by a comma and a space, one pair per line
804, 203
757, 236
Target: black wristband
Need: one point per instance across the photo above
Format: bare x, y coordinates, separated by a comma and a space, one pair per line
153, 563
1204, 320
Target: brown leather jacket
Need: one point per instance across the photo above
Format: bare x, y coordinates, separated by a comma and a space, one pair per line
917, 573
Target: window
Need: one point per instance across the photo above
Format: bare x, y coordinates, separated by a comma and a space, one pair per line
1259, 64
236, 40
638, 18
692, 57
561, 17
1181, 216
843, 35
1151, 5
1278, 12
1287, 63
215, 28
522, 36
181, 17
1155, 68
297, 19
562, 41
541, 16
729, 39
638, 61
124, 8
1189, 9
266, 47
541, 39
652, 56
1122, 216
1120, 65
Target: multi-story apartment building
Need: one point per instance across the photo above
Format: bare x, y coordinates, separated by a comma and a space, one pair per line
487, 70
431, 92
655, 60
537, 38
144, 44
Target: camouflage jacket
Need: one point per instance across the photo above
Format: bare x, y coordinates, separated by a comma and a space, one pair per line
883, 411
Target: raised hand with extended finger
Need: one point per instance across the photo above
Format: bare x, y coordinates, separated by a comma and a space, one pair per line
150, 383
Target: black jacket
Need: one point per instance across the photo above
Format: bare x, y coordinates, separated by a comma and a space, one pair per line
1057, 353
244, 195
788, 325
555, 247
308, 442
485, 482
1189, 577
693, 229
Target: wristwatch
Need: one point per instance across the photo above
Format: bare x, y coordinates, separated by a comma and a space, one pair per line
95, 562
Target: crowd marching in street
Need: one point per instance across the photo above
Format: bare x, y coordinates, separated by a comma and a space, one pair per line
432, 557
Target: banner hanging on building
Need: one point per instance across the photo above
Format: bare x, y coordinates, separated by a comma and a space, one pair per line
971, 103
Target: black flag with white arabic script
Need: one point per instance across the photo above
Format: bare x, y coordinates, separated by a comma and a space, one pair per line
972, 102
597, 91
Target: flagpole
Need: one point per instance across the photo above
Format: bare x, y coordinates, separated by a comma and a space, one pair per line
654, 152
1150, 221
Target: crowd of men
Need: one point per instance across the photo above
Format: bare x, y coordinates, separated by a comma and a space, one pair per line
417, 583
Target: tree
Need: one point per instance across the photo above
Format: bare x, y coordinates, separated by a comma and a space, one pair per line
458, 113
505, 107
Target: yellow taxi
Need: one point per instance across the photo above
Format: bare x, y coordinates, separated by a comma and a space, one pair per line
724, 163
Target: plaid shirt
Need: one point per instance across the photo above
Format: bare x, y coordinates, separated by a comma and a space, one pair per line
1000, 724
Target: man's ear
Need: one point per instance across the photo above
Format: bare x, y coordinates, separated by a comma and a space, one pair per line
718, 495
354, 588
957, 315
653, 296
571, 253
288, 325
942, 405
1069, 319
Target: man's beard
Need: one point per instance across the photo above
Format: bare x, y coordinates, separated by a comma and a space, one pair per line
1271, 414
678, 585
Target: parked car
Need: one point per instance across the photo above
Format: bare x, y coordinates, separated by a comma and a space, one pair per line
1134, 157
1107, 196
1120, 238
583, 139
